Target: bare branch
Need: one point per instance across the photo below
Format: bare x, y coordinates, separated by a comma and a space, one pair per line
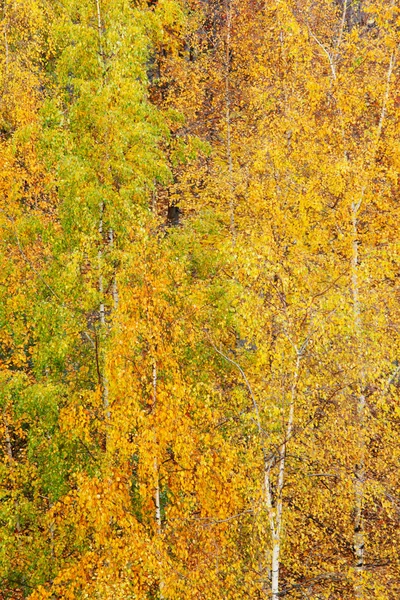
330, 58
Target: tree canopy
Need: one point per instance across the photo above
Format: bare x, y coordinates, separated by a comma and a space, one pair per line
199, 299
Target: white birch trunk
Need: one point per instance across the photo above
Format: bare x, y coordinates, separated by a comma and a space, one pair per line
100, 264
228, 120
359, 468
114, 289
6, 45
106, 403
359, 474
157, 499
105, 391
157, 484
276, 548
99, 28
275, 509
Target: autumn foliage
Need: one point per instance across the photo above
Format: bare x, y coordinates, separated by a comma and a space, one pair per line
199, 299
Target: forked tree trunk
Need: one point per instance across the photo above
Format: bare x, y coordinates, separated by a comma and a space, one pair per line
274, 506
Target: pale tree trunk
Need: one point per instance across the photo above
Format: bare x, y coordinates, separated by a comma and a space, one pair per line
342, 27
359, 468
228, 6
275, 508
276, 548
157, 499
157, 484
104, 380
114, 289
101, 206
359, 471
6, 45
100, 263
99, 28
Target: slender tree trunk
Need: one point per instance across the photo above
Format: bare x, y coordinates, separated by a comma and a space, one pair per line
114, 289
276, 548
359, 471
100, 28
6, 45
228, 6
359, 468
342, 27
157, 499
275, 508
105, 390
100, 264
106, 403
157, 483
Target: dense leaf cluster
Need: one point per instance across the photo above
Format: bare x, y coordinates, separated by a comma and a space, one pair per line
199, 317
